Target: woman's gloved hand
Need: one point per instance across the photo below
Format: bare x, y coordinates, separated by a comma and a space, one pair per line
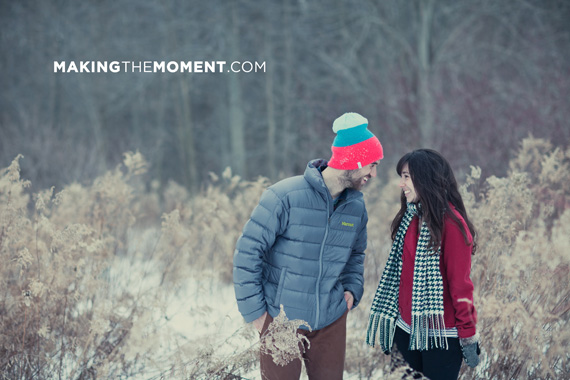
470, 349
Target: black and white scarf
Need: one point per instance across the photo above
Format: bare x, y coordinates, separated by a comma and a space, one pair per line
427, 293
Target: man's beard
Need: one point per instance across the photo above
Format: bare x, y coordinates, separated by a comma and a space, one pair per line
351, 180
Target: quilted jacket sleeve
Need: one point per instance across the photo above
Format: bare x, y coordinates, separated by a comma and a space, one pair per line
267, 221
352, 277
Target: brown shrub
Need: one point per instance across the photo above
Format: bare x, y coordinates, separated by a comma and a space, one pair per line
89, 272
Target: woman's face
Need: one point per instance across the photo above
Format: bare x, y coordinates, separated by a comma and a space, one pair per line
407, 185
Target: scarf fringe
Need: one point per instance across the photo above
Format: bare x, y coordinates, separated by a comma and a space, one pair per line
419, 336
386, 326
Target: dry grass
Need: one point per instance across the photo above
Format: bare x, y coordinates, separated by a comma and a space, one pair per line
88, 273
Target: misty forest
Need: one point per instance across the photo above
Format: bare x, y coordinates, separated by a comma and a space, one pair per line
122, 194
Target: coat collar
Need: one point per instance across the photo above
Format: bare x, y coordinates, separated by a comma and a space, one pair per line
314, 177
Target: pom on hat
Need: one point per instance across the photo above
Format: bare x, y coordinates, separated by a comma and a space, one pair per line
348, 120
354, 146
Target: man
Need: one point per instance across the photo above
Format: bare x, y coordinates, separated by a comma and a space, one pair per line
303, 248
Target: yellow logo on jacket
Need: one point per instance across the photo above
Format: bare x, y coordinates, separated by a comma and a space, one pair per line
346, 224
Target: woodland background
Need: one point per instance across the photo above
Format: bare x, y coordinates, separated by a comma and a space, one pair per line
122, 195
468, 78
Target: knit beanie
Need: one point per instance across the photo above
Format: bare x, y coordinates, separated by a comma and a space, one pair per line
354, 146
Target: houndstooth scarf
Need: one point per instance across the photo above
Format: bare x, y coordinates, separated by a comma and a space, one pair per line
427, 293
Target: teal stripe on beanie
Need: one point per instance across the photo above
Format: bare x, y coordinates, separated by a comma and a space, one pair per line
352, 136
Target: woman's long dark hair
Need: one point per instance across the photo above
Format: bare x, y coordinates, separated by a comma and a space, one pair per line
436, 188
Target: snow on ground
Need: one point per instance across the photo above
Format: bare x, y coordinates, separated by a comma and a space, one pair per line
204, 309
211, 312
208, 311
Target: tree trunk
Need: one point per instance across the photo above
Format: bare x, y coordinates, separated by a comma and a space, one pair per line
186, 138
271, 121
425, 100
286, 133
236, 121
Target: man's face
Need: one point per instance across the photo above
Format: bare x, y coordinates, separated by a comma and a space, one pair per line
356, 179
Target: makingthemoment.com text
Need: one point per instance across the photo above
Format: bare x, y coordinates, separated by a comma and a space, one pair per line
158, 67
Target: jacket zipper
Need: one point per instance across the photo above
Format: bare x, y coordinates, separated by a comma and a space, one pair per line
329, 216
321, 267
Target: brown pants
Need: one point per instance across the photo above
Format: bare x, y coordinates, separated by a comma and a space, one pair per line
324, 360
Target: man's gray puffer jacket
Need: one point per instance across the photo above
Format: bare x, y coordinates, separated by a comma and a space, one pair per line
296, 250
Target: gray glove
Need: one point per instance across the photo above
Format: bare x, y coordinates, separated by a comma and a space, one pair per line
470, 350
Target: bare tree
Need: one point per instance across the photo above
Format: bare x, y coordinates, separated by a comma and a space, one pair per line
470, 78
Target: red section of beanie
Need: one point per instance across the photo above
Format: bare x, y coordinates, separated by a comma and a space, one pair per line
348, 157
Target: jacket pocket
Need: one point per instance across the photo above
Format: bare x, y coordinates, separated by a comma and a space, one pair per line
280, 287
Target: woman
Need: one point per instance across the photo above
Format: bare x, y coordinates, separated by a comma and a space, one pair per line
424, 302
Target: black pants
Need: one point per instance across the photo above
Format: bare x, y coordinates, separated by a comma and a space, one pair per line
436, 363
